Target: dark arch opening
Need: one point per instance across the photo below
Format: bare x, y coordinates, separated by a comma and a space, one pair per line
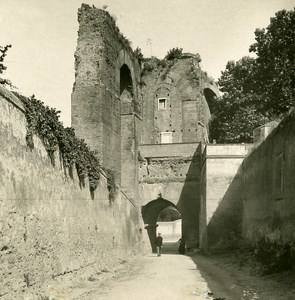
210, 98
151, 213
125, 80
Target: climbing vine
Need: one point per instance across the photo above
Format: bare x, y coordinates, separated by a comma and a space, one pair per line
44, 122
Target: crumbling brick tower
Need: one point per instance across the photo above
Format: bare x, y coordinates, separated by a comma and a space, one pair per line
105, 103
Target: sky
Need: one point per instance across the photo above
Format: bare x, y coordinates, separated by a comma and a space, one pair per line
43, 35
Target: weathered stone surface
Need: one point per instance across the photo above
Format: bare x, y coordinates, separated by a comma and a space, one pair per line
269, 207
49, 226
221, 193
96, 105
182, 83
115, 108
163, 174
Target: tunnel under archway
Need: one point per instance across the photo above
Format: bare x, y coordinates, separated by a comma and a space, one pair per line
151, 213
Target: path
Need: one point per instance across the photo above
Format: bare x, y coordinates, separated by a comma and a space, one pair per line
176, 277
151, 278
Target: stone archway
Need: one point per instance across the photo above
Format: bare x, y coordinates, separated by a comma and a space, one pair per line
150, 213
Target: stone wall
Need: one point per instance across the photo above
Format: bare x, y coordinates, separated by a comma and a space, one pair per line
172, 172
222, 193
49, 225
269, 203
248, 190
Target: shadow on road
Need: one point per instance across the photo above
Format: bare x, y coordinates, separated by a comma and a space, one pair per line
224, 284
170, 248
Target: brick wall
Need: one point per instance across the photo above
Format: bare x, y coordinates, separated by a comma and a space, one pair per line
182, 83
96, 104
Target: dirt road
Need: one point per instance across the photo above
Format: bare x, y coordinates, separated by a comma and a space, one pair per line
174, 277
151, 278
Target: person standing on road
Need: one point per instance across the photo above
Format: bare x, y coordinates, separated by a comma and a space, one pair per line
159, 243
181, 248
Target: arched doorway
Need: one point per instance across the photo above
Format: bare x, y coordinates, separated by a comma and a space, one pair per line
161, 215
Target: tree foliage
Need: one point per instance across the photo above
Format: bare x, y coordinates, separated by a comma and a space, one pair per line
238, 111
3, 53
261, 89
169, 214
275, 49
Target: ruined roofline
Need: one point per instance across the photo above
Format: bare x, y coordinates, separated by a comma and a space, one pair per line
96, 14
182, 56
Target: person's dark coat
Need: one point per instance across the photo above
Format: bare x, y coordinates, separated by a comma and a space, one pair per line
159, 241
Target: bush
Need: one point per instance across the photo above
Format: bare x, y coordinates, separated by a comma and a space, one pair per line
231, 243
150, 64
274, 256
173, 53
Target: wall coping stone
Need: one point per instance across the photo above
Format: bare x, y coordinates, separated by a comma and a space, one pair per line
10, 97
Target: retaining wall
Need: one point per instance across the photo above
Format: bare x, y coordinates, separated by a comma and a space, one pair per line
49, 225
269, 203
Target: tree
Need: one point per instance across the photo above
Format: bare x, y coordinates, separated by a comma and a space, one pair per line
275, 49
257, 90
237, 112
3, 53
169, 214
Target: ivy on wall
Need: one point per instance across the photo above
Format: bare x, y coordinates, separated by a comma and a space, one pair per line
43, 121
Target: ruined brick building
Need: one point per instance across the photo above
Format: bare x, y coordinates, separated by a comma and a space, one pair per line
146, 122
150, 124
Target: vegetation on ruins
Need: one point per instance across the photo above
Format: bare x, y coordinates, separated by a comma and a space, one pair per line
173, 53
44, 122
261, 89
138, 54
153, 63
3, 53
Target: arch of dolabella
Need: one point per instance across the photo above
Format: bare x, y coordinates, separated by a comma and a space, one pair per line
150, 213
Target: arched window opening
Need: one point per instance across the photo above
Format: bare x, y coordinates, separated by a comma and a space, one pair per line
211, 99
125, 80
